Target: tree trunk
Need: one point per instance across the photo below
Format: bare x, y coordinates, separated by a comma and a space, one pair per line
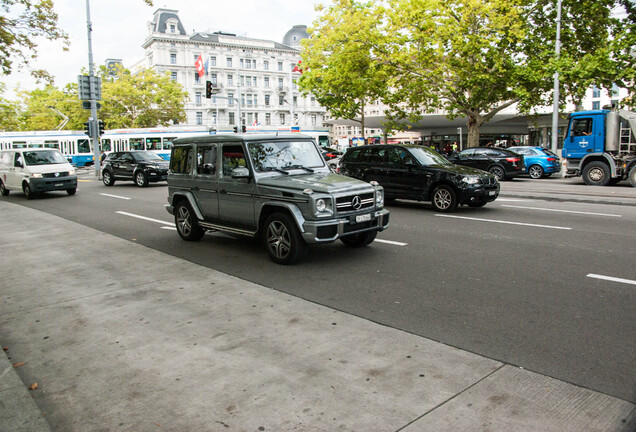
474, 125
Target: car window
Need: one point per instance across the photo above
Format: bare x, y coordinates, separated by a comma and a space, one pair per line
352, 155
146, 156
206, 159
426, 156
180, 160
467, 153
374, 155
399, 157
269, 156
233, 157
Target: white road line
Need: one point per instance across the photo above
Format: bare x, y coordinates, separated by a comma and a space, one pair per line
563, 211
172, 228
612, 279
505, 222
114, 196
499, 199
391, 242
144, 218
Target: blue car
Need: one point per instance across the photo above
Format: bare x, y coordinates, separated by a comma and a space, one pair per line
540, 162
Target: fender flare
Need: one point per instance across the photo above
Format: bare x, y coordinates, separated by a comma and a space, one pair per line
187, 195
292, 209
595, 157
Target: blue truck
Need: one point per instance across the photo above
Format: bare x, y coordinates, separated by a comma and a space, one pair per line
600, 146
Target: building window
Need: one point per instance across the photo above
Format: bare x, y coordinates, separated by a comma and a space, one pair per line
313, 119
313, 101
173, 28
615, 90
249, 64
596, 92
254, 82
280, 66
230, 98
266, 100
197, 98
268, 119
230, 80
295, 100
213, 61
596, 105
230, 118
266, 81
280, 83
199, 118
213, 79
228, 62
173, 75
266, 64
281, 99
214, 118
282, 119
197, 78
173, 58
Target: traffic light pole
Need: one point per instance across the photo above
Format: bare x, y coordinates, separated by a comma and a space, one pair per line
93, 119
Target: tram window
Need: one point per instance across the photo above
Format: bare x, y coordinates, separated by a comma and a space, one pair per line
35, 145
106, 144
137, 144
52, 144
19, 144
83, 146
167, 143
153, 143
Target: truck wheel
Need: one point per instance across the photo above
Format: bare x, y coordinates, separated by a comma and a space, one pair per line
283, 240
359, 240
444, 199
27, 191
535, 171
186, 223
3, 189
631, 176
596, 174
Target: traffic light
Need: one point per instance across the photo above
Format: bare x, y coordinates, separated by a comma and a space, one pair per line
87, 128
100, 125
208, 89
235, 129
243, 129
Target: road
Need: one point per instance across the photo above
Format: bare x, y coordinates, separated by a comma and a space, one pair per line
547, 286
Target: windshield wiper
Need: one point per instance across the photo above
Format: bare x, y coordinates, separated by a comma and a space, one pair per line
298, 167
267, 169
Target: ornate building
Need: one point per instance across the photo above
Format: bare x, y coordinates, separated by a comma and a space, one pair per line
258, 74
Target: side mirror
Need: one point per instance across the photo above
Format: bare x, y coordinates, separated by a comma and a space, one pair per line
240, 172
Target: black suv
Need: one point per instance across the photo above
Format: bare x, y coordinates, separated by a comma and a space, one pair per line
419, 173
503, 163
277, 187
139, 166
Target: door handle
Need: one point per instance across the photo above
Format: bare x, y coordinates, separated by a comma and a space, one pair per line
223, 191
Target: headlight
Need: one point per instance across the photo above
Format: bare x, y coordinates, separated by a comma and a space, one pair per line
321, 205
379, 198
471, 179
71, 171
36, 175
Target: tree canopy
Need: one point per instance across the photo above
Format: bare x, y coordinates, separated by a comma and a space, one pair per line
470, 58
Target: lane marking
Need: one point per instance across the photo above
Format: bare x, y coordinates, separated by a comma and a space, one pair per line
612, 279
144, 218
563, 211
391, 242
171, 228
513, 200
115, 196
505, 222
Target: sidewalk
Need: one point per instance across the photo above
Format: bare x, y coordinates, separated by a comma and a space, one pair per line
120, 337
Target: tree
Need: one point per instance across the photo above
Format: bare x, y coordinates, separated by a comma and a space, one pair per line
475, 58
39, 108
338, 66
21, 23
142, 99
8, 112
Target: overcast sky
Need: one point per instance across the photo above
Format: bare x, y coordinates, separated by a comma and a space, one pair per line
120, 27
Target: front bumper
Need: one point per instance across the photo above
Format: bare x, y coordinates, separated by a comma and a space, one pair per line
48, 184
479, 193
330, 230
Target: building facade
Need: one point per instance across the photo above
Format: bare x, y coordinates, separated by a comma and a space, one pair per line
252, 79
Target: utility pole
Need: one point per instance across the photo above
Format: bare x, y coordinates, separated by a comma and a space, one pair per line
555, 104
93, 92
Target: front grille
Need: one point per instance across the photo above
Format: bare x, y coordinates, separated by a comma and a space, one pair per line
54, 175
489, 180
346, 203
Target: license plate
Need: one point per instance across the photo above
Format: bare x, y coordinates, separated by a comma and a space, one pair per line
59, 184
491, 193
363, 218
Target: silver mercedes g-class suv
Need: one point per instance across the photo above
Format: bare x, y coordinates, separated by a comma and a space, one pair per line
277, 186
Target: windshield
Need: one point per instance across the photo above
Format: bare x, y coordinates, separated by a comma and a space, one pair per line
146, 156
426, 156
278, 155
43, 157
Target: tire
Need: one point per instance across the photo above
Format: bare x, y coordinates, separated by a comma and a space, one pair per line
186, 223
27, 191
596, 174
632, 176
282, 239
498, 171
444, 199
107, 178
141, 179
359, 240
71, 191
3, 190
535, 171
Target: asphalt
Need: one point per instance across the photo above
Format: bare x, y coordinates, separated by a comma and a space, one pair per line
120, 337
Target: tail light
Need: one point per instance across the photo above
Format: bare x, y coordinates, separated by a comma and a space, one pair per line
551, 159
331, 155
513, 160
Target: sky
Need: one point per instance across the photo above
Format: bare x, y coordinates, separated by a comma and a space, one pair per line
120, 27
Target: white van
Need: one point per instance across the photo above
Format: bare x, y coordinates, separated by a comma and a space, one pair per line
36, 170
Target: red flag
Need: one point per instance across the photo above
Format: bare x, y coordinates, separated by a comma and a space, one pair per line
297, 68
199, 65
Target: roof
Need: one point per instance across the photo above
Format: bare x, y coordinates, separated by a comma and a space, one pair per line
237, 138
